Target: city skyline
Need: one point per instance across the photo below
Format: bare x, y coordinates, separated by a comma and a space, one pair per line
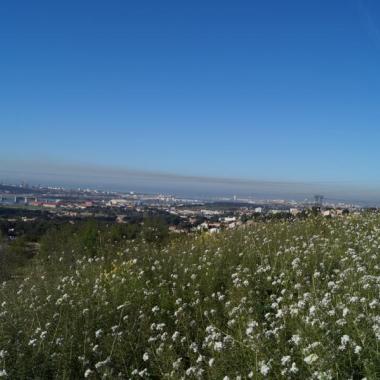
120, 179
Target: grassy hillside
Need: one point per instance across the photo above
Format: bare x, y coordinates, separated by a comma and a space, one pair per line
290, 300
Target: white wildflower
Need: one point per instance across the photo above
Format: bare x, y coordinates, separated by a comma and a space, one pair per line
264, 369
312, 358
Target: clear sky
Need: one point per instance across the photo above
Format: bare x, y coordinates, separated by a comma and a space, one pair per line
262, 90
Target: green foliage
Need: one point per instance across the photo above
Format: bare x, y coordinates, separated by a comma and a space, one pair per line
155, 230
13, 256
120, 232
284, 299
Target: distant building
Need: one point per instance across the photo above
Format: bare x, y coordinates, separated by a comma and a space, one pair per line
50, 205
294, 211
118, 202
36, 204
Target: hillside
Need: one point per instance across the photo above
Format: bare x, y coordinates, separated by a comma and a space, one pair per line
290, 300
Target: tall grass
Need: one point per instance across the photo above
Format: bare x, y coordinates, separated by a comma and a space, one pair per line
279, 300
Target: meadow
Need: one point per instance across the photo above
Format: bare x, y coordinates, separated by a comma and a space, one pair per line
278, 300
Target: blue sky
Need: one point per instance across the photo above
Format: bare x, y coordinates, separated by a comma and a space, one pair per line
262, 90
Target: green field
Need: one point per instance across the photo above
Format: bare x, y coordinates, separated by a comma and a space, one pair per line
293, 300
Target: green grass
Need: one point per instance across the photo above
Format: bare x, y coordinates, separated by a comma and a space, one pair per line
279, 300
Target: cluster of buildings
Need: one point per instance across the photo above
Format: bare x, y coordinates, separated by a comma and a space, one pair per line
183, 215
